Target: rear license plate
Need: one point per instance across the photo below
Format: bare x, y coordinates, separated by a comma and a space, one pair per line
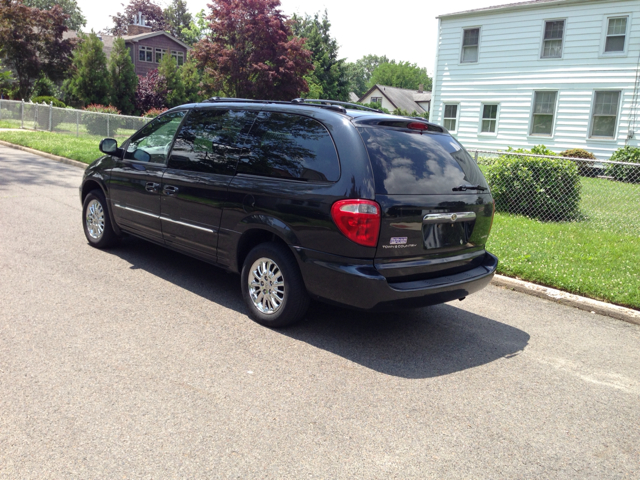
442, 235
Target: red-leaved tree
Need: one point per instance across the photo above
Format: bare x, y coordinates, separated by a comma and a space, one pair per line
152, 91
151, 11
31, 42
250, 53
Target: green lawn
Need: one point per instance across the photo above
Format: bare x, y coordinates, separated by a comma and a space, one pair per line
569, 256
598, 257
9, 123
83, 148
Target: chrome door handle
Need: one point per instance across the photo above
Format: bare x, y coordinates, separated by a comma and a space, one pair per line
152, 187
170, 190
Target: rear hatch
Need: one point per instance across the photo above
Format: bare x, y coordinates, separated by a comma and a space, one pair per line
436, 206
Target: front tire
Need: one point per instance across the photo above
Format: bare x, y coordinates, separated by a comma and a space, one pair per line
272, 286
96, 222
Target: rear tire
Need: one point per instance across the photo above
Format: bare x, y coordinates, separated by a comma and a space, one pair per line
272, 286
96, 221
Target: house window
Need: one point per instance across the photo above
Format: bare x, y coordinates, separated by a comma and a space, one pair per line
489, 118
605, 114
553, 36
376, 100
544, 108
616, 35
145, 54
450, 117
470, 40
178, 57
160, 52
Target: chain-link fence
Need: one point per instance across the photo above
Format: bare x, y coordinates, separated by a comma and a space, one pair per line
604, 194
32, 116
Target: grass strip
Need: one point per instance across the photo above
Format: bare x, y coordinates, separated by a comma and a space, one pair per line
569, 256
83, 148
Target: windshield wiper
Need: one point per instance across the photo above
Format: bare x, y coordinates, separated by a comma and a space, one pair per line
464, 188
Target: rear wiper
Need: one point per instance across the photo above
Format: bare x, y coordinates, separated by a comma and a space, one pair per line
464, 188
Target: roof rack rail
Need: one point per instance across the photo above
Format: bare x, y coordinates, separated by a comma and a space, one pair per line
335, 102
310, 102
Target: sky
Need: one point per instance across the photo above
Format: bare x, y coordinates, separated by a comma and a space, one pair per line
404, 31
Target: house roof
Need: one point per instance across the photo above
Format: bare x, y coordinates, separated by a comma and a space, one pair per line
529, 3
353, 97
402, 98
142, 36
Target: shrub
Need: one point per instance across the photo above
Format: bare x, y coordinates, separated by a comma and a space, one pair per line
154, 112
585, 169
152, 92
43, 112
625, 173
48, 100
97, 124
44, 87
543, 188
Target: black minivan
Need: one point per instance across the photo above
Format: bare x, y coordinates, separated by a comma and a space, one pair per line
305, 199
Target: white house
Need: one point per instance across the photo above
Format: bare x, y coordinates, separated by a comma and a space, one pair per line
563, 73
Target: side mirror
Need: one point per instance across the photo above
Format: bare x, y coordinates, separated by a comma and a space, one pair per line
109, 146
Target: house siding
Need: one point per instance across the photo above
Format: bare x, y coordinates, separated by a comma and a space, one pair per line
509, 70
160, 41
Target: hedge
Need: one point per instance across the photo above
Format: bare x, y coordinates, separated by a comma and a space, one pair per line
543, 188
625, 173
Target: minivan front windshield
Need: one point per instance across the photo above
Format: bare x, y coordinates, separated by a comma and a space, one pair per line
412, 163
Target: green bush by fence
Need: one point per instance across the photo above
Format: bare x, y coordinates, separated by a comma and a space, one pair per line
585, 169
625, 173
48, 101
543, 188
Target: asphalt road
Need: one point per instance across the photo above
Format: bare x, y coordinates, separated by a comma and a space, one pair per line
142, 363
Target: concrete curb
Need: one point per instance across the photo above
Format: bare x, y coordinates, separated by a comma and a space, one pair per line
558, 296
68, 161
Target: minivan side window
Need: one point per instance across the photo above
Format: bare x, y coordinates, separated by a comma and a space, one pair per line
152, 143
210, 141
285, 145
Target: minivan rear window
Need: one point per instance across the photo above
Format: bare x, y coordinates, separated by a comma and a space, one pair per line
412, 163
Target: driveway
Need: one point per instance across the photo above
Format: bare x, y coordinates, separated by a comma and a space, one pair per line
142, 363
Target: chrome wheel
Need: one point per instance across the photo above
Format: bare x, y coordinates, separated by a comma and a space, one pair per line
95, 220
266, 286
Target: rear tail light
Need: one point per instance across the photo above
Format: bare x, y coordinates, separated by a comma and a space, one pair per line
358, 220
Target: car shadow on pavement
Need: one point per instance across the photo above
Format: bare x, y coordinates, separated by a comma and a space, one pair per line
423, 343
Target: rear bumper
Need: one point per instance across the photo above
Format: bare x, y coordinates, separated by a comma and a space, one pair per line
356, 283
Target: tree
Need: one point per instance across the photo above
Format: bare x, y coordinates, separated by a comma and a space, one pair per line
197, 29
329, 77
168, 68
152, 13
76, 19
359, 73
123, 78
31, 43
178, 19
190, 80
250, 53
6, 79
90, 80
152, 92
400, 75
